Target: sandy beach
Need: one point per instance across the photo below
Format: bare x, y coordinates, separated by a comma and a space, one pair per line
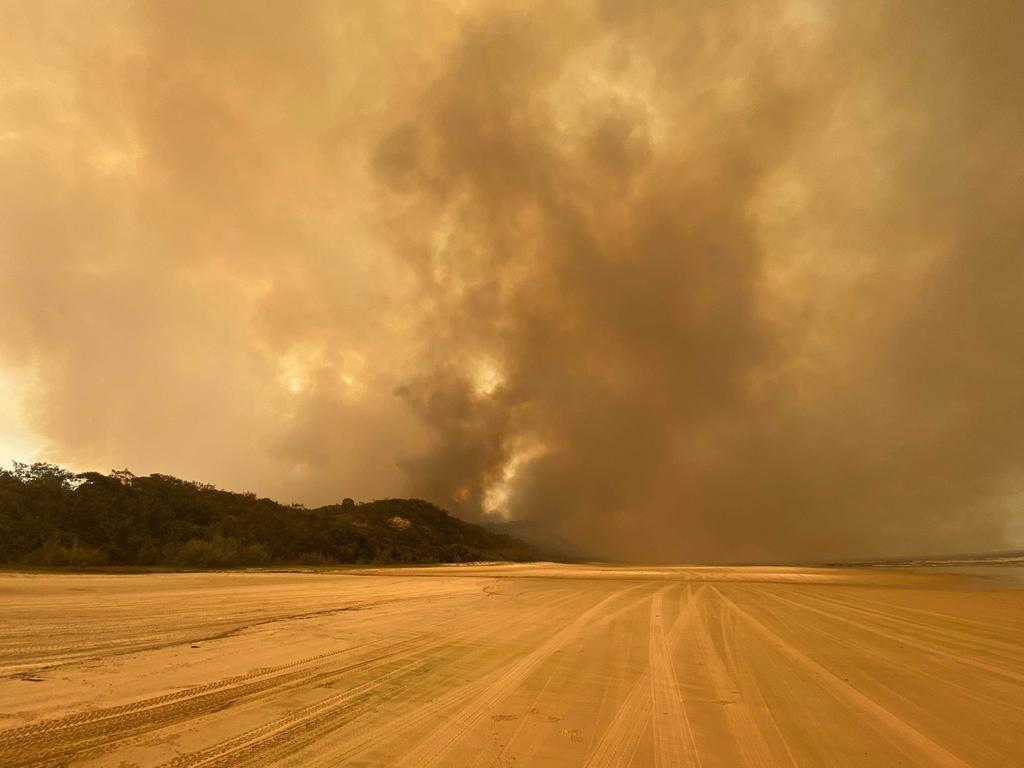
517, 665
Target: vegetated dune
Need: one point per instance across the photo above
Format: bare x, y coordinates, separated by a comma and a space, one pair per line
50, 516
514, 665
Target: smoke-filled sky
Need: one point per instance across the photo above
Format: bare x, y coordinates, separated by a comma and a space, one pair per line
671, 280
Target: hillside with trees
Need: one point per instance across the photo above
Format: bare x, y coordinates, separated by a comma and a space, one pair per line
52, 517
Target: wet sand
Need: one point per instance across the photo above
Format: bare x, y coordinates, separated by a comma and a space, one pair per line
535, 665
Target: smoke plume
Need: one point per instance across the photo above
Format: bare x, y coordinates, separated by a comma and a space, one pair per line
672, 281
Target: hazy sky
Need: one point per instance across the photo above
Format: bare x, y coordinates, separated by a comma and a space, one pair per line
676, 280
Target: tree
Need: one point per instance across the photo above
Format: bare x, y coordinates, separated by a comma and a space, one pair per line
49, 516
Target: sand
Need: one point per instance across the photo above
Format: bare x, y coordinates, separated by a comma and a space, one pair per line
522, 665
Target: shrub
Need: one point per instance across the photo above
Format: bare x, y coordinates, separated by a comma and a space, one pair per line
53, 552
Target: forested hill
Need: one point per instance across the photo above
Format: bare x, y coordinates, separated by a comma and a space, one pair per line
49, 516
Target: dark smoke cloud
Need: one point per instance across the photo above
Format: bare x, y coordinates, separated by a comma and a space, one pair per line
699, 281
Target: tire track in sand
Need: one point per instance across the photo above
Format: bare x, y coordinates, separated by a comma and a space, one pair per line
247, 748
295, 730
525, 741
1009, 652
109, 713
935, 753
52, 742
430, 751
674, 746
896, 635
729, 674
621, 738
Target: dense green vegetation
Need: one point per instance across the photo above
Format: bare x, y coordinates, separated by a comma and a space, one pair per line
49, 516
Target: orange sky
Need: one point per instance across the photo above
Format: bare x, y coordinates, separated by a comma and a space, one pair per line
674, 280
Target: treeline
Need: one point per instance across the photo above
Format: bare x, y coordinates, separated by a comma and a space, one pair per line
49, 516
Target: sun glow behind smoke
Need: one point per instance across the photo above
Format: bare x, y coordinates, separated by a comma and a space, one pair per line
486, 377
18, 442
498, 495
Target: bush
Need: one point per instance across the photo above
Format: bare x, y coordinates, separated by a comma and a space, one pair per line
53, 552
218, 552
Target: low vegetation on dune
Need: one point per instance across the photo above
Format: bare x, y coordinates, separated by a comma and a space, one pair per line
50, 516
